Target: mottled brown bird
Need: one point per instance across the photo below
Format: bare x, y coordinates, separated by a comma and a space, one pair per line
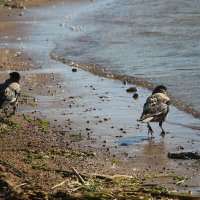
156, 108
10, 92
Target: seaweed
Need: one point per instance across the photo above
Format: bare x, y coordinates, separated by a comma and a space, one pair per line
12, 4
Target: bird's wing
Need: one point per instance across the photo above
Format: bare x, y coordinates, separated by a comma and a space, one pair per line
2, 89
154, 106
15, 87
10, 95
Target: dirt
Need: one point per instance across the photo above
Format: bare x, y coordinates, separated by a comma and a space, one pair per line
13, 60
40, 152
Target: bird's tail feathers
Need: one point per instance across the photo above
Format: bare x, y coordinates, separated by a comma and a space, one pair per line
145, 120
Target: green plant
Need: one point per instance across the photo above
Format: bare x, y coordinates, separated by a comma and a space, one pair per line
44, 125
7, 124
114, 161
28, 119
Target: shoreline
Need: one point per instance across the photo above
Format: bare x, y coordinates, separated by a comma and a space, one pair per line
100, 71
95, 114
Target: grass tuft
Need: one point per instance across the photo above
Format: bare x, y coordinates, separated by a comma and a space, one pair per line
7, 124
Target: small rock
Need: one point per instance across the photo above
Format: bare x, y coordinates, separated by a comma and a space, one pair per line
135, 96
74, 70
124, 144
125, 82
131, 89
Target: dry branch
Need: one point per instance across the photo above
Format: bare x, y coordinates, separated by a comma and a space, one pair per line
58, 185
78, 176
14, 169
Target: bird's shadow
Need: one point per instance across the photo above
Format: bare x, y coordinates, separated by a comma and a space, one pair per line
128, 141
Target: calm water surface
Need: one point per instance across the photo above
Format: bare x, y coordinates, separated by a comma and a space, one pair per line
157, 40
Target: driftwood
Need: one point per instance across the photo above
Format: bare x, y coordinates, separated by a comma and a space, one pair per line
184, 155
78, 176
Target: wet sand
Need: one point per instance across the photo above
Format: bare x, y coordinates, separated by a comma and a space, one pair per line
93, 113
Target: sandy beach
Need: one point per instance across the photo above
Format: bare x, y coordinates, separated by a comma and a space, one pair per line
92, 117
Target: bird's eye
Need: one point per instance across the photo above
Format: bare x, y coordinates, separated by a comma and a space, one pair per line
168, 102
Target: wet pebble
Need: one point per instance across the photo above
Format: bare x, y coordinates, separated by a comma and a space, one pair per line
131, 89
135, 96
74, 70
124, 144
125, 82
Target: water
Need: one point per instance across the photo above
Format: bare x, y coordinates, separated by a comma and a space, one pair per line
156, 40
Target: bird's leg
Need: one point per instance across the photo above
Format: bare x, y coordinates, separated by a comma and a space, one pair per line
163, 132
150, 130
14, 109
5, 111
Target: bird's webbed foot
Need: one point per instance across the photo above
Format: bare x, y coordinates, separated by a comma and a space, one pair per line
162, 133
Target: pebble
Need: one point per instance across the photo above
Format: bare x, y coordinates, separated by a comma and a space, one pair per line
135, 96
131, 89
74, 70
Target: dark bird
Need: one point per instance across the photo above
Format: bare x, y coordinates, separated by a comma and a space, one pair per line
156, 108
10, 92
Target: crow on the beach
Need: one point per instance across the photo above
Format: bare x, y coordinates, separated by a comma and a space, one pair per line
10, 92
156, 108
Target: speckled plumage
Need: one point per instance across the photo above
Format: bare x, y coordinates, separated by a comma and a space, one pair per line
156, 108
10, 92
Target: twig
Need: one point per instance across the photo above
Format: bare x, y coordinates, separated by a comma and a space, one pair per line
22, 184
78, 176
55, 186
17, 171
75, 189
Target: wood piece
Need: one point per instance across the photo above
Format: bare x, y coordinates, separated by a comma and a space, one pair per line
78, 176
184, 155
58, 185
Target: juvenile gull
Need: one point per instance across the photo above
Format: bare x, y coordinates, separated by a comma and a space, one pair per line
10, 92
156, 108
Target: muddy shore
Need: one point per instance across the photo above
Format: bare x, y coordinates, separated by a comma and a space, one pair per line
75, 119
